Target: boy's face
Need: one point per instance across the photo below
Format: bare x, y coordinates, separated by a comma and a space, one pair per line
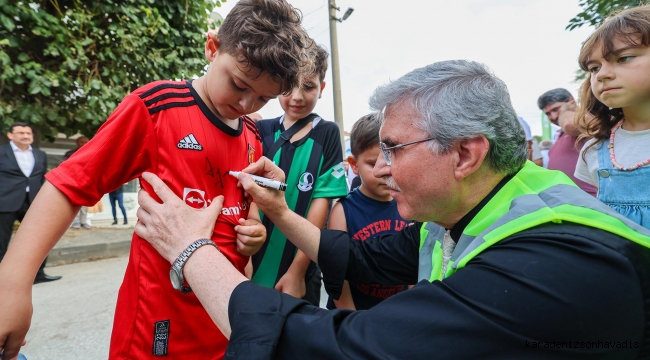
232, 90
302, 100
362, 165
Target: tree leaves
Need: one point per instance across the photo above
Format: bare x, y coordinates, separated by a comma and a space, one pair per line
66, 64
595, 11
7, 22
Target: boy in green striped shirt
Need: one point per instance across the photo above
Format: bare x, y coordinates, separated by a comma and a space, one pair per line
312, 161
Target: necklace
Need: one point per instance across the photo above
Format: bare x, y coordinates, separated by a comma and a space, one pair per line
611, 151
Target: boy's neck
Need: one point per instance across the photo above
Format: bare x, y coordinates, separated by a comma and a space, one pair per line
364, 190
200, 86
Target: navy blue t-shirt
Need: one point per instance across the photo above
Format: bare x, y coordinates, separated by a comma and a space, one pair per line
367, 218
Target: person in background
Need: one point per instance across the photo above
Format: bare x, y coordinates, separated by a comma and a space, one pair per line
312, 159
544, 147
22, 173
368, 211
615, 112
533, 151
117, 196
559, 106
81, 220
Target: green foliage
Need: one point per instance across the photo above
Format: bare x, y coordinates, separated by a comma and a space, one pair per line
595, 11
66, 64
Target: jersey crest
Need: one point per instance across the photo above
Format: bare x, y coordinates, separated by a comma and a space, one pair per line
306, 181
251, 154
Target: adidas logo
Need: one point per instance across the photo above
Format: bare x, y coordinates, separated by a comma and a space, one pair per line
189, 142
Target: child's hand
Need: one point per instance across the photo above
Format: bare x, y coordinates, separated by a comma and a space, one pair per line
251, 234
292, 284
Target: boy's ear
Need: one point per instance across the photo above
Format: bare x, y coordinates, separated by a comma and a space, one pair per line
322, 86
211, 46
353, 164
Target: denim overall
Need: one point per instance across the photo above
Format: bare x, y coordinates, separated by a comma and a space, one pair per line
627, 192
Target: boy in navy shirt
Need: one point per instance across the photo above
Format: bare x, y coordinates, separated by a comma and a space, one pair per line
367, 212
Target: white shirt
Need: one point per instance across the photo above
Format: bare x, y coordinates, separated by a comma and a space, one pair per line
529, 135
25, 159
630, 148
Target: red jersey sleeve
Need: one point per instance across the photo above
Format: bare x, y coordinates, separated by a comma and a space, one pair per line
123, 148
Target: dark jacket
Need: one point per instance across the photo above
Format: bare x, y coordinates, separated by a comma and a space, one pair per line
13, 182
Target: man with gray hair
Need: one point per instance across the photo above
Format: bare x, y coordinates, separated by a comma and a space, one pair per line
537, 269
559, 106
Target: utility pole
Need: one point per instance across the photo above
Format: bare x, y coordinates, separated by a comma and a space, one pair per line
336, 76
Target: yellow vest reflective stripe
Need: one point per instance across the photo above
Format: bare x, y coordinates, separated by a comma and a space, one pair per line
430, 262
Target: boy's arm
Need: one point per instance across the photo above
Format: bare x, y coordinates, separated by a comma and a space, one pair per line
293, 281
338, 222
121, 150
48, 218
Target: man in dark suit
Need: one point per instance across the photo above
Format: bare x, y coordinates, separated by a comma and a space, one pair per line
22, 172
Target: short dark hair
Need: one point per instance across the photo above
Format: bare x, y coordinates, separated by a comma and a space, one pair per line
319, 56
365, 133
21, 124
553, 96
268, 35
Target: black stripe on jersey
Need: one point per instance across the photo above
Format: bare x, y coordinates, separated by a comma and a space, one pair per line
157, 88
248, 120
171, 105
253, 129
167, 96
252, 124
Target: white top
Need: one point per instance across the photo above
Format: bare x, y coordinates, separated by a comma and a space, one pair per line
529, 135
25, 159
630, 148
537, 152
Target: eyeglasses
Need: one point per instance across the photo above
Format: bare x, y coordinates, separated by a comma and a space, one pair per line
388, 151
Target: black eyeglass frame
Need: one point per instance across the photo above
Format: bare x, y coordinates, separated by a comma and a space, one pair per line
387, 150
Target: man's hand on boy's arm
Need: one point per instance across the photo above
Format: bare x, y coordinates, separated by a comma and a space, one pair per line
293, 281
251, 233
49, 216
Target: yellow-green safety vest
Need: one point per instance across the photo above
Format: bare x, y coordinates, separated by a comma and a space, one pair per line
534, 196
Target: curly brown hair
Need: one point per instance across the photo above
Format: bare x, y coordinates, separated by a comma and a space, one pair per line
268, 35
632, 26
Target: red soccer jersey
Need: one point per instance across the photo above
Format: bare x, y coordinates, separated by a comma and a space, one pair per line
165, 128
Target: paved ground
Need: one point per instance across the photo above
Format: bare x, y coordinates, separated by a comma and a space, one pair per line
100, 242
73, 317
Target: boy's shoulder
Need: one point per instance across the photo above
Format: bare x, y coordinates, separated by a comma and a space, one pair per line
269, 123
161, 87
267, 127
160, 95
326, 124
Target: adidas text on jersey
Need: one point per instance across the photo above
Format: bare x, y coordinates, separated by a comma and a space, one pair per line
189, 142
